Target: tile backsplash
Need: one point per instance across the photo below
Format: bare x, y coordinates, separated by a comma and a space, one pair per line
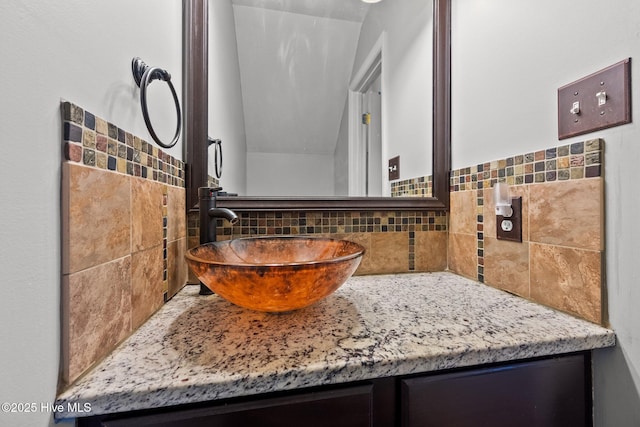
93, 141
559, 262
415, 187
395, 242
123, 234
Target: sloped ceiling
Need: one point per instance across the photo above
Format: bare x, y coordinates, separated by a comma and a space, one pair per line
348, 10
296, 58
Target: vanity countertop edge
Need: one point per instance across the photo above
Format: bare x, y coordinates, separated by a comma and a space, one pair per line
201, 348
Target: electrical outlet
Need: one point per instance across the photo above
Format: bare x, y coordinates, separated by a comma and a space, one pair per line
510, 228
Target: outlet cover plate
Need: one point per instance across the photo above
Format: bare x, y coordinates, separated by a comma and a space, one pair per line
515, 234
614, 83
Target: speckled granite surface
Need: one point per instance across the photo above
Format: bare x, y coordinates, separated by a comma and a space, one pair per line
201, 348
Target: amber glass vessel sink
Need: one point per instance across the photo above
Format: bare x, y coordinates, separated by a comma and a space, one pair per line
275, 274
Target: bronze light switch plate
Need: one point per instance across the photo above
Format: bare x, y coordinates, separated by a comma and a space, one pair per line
598, 101
394, 168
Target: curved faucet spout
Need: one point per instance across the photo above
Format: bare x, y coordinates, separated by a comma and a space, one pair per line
225, 213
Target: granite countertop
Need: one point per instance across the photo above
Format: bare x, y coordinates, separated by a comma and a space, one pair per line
199, 348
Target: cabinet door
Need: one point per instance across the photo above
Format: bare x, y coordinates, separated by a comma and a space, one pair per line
544, 393
348, 407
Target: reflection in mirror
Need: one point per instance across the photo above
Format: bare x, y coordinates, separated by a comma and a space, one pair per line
313, 98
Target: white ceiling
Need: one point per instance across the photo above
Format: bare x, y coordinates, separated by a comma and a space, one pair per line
349, 10
296, 59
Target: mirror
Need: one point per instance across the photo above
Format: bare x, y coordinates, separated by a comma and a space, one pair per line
399, 125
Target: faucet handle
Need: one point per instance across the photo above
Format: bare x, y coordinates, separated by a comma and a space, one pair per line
208, 192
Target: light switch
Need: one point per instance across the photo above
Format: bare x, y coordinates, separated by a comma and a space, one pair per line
575, 108
598, 101
602, 98
394, 168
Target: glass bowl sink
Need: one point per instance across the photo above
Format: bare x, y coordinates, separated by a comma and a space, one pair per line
275, 274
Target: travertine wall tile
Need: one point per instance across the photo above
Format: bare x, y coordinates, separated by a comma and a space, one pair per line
119, 206
506, 265
431, 251
146, 214
94, 200
146, 284
567, 279
463, 232
568, 213
366, 264
385, 252
177, 218
389, 252
177, 266
463, 254
391, 228
97, 313
559, 261
463, 212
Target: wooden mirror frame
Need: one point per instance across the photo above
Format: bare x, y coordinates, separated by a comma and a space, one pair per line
195, 101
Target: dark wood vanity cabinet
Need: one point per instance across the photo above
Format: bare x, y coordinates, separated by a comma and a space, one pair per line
344, 407
542, 393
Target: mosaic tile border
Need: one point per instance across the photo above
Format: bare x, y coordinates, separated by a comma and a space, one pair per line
274, 223
95, 142
572, 161
579, 160
327, 223
414, 187
165, 243
212, 181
